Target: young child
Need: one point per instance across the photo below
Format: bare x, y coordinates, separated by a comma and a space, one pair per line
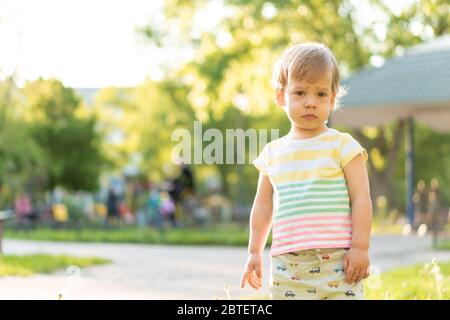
313, 190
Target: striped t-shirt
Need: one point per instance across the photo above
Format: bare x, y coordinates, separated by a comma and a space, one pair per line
311, 200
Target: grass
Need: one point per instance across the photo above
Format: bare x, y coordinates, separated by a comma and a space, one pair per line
419, 282
443, 245
231, 235
27, 265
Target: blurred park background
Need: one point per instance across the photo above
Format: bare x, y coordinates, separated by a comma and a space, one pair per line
91, 93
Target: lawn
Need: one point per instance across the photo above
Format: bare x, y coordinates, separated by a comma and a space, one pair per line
230, 235
443, 245
27, 265
420, 282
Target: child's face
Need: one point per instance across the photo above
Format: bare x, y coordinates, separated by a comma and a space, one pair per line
307, 104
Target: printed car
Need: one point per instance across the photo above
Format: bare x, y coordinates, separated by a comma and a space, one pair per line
315, 270
293, 264
281, 267
276, 283
326, 257
311, 290
333, 284
289, 294
295, 277
338, 269
349, 293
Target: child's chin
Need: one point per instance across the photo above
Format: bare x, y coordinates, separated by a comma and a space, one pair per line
308, 126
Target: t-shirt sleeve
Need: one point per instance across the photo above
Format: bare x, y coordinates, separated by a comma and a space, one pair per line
261, 162
350, 148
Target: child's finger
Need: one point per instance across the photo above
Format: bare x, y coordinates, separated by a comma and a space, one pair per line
367, 274
253, 283
349, 274
244, 278
346, 262
258, 270
258, 281
359, 275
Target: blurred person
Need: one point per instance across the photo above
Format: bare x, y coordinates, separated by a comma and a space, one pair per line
23, 209
167, 208
437, 209
112, 208
182, 187
420, 200
154, 208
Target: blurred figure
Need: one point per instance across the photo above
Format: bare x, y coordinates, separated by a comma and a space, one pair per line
167, 208
438, 210
183, 184
154, 209
182, 188
140, 204
112, 207
23, 209
420, 199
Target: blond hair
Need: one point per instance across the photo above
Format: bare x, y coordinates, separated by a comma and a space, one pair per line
307, 61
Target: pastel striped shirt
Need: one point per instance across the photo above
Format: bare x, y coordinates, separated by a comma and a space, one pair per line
311, 200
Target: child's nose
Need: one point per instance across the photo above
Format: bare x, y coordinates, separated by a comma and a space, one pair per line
310, 102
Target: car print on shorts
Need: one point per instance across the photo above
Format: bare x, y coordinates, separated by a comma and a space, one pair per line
295, 277
276, 283
333, 284
293, 264
281, 268
349, 293
311, 290
314, 270
289, 294
338, 269
326, 257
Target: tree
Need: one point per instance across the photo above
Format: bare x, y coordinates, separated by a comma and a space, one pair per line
20, 157
69, 143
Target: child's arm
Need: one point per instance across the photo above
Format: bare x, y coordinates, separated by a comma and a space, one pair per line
356, 261
260, 223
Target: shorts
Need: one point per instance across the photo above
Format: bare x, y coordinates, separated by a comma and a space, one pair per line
312, 274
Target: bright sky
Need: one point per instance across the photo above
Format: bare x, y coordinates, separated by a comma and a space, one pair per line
89, 43
84, 43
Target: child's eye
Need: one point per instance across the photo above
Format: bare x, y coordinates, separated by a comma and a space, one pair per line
300, 93
322, 94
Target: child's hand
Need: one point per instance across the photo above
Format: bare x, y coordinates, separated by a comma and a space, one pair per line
356, 265
253, 272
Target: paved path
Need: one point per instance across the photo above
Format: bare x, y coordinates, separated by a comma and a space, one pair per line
174, 272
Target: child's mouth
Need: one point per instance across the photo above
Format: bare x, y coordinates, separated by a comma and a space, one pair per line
309, 117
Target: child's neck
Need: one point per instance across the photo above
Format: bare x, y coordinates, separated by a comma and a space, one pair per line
300, 133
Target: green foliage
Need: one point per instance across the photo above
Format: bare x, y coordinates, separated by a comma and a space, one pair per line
69, 143
421, 21
433, 158
20, 156
71, 147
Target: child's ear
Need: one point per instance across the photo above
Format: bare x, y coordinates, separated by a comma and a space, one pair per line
279, 97
333, 101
